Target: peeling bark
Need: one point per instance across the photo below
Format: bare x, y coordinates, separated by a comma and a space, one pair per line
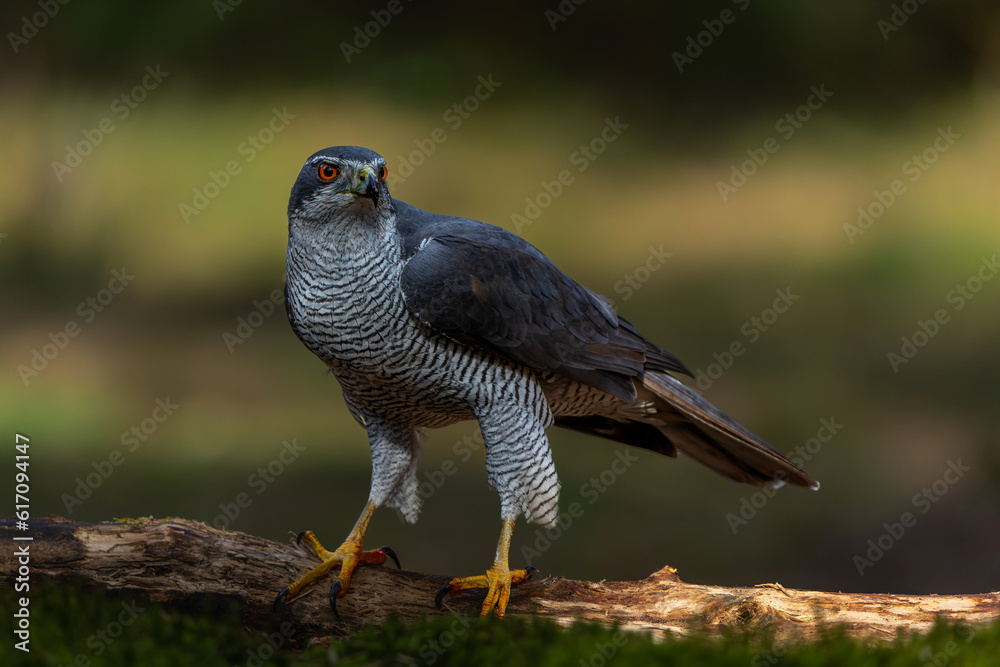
182, 562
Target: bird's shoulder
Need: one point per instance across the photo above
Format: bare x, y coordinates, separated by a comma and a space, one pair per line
417, 226
474, 277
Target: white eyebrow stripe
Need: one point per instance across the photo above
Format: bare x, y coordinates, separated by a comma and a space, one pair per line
327, 158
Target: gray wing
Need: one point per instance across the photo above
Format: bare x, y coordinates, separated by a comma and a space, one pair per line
486, 287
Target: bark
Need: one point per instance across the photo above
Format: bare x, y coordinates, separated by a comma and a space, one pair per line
185, 563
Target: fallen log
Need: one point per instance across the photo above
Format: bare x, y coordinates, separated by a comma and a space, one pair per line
181, 562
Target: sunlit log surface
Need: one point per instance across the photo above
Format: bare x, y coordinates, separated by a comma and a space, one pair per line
182, 562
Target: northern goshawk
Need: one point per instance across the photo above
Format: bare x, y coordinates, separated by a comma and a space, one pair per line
428, 319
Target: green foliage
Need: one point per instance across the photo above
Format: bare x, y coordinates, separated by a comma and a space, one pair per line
539, 641
72, 624
420, 56
76, 624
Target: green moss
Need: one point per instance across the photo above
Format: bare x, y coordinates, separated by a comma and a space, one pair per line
130, 522
75, 624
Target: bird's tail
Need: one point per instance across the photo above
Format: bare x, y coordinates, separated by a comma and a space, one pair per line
716, 440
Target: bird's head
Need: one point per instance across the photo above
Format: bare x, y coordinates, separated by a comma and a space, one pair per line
343, 182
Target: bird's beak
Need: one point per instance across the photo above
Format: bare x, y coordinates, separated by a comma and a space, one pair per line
368, 184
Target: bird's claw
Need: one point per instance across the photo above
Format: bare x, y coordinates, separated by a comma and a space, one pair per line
335, 590
444, 590
347, 557
498, 590
391, 554
277, 600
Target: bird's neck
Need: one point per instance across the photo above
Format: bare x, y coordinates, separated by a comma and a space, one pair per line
339, 282
346, 244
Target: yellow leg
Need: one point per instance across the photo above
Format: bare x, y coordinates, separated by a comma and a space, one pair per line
497, 580
348, 555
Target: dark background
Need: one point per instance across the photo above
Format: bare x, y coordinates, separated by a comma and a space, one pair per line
165, 335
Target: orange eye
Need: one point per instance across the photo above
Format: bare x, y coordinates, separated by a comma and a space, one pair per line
383, 172
328, 172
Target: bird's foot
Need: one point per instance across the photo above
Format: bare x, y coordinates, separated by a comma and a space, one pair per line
497, 580
348, 555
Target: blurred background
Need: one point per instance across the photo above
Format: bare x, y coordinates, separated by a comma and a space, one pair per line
800, 200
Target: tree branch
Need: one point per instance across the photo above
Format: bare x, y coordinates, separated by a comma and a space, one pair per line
178, 561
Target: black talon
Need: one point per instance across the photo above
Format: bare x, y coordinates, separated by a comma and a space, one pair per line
391, 554
298, 538
529, 571
333, 597
440, 594
281, 596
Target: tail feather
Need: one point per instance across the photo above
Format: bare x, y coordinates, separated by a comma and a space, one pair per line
716, 440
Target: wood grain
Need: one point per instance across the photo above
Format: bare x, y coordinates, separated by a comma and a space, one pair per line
183, 562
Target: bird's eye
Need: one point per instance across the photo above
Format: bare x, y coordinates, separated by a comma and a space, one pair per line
383, 172
327, 171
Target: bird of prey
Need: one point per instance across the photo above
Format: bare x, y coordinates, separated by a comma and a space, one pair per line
428, 319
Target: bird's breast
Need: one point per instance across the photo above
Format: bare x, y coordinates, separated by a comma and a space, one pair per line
352, 315
349, 313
